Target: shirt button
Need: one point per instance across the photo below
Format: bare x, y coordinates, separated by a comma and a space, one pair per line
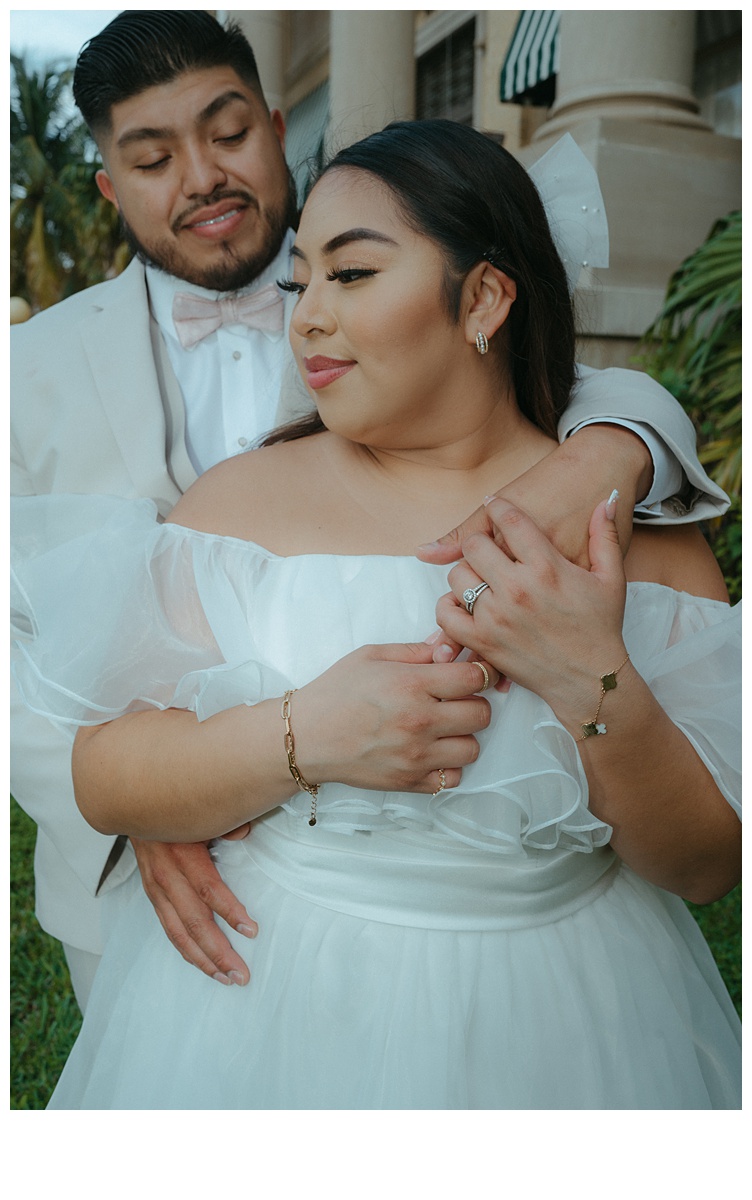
236, 355
242, 441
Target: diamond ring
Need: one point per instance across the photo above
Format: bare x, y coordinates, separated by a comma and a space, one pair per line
470, 595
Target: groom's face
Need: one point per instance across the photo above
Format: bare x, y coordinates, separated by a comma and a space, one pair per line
196, 169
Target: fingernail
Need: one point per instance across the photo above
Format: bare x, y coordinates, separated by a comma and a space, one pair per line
237, 978
220, 978
429, 546
430, 641
247, 930
443, 654
611, 504
488, 499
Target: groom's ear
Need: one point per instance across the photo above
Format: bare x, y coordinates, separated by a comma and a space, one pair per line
106, 187
488, 296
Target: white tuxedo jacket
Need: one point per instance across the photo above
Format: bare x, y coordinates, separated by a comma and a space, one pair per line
97, 409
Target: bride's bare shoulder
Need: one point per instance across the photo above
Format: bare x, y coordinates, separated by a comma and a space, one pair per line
236, 497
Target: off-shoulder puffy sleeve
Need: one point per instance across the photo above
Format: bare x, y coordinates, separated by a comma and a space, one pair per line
689, 651
107, 615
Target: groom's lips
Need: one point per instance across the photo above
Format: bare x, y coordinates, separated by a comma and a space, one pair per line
217, 221
321, 371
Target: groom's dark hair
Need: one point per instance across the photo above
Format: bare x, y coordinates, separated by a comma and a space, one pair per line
140, 49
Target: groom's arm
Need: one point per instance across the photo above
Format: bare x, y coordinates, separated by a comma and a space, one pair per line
561, 492
681, 490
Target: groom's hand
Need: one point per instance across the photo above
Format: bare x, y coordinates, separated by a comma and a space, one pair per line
186, 890
561, 492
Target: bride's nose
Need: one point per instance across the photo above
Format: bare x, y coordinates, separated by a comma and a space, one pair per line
312, 314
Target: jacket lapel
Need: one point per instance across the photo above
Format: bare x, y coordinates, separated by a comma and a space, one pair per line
118, 342
141, 396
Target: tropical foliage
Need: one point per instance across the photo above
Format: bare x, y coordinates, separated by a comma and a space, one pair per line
64, 234
694, 349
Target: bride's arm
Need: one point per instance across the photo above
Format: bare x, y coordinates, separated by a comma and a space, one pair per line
556, 629
384, 718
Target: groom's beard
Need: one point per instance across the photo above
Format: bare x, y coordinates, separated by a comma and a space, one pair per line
232, 271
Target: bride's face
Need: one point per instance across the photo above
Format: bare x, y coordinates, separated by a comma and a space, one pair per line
370, 332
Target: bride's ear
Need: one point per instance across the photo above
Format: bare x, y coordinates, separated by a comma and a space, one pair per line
489, 296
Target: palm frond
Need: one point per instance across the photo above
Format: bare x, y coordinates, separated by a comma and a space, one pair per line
64, 235
694, 348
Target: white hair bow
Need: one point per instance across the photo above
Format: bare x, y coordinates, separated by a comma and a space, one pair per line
571, 194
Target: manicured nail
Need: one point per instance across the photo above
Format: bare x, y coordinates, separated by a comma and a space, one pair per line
434, 637
443, 654
220, 978
247, 930
237, 978
611, 505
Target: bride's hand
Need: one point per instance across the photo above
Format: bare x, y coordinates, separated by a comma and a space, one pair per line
543, 622
387, 718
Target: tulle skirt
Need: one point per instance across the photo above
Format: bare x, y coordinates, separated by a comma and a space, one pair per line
399, 971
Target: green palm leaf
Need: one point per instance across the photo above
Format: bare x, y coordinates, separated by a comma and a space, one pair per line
64, 235
694, 348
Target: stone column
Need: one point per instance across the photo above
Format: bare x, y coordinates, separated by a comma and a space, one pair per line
265, 31
624, 94
634, 65
371, 73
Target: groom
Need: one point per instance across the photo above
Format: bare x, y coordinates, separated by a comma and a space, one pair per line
138, 385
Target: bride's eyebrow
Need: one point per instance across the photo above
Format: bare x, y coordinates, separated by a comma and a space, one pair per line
357, 235
350, 235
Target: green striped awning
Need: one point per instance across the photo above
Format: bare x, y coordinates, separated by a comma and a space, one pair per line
533, 54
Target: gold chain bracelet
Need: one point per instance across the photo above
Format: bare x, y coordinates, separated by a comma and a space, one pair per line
303, 784
608, 683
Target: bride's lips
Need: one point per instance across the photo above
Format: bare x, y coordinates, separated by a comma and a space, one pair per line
320, 371
217, 221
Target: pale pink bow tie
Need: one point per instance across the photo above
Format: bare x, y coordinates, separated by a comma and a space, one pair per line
195, 317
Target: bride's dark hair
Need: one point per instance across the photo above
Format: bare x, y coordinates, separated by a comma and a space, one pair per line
476, 202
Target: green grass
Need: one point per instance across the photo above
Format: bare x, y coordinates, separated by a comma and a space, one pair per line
721, 924
45, 1018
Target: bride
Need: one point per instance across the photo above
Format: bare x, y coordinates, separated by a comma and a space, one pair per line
500, 926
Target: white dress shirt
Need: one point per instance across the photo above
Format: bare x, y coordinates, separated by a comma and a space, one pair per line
231, 380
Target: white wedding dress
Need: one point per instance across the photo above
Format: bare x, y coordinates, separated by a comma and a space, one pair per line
483, 948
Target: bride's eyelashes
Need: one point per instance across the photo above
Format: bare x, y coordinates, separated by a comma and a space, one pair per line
349, 274
334, 274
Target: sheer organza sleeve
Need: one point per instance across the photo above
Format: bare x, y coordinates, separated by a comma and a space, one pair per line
107, 615
689, 651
